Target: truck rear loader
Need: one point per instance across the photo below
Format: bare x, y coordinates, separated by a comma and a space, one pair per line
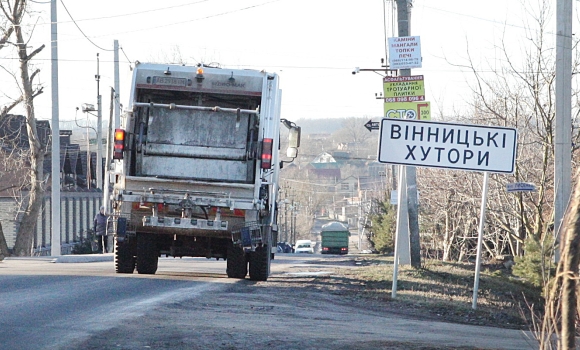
195, 168
334, 238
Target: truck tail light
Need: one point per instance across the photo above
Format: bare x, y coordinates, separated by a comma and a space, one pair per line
267, 153
119, 146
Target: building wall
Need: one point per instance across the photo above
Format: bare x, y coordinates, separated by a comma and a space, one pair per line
77, 210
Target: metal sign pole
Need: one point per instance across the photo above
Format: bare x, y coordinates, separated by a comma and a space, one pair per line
480, 239
401, 209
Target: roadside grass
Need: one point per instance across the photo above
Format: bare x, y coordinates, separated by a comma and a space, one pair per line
444, 291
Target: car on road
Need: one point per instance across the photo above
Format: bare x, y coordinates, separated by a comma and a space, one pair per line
304, 246
284, 247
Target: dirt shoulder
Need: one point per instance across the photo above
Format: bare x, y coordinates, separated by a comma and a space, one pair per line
438, 292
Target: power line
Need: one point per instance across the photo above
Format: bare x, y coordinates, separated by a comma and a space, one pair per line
141, 12
80, 30
193, 20
123, 51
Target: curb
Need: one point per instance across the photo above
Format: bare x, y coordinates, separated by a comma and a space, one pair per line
68, 259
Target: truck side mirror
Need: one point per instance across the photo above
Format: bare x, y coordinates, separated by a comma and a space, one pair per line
293, 142
292, 152
294, 137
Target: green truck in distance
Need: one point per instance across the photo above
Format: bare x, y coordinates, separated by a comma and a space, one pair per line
334, 237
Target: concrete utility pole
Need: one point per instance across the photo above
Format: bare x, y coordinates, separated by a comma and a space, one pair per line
108, 156
116, 77
563, 147
55, 158
99, 165
403, 23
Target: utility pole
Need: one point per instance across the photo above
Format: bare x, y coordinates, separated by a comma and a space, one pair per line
116, 86
563, 146
99, 165
108, 155
55, 158
403, 22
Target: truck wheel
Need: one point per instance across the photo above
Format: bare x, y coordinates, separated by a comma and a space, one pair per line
259, 264
124, 259
237, 266
147, 255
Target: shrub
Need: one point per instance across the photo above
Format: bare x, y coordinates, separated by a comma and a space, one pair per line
536, 265
87, 244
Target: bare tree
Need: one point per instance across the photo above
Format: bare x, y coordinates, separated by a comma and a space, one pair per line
355, 134
13, 35
562, 301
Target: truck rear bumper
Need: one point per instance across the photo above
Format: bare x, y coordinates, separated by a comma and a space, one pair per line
168, 191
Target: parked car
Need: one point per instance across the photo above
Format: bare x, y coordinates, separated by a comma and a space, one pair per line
284, 247
304, 246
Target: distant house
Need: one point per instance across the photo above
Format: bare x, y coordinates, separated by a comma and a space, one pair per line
348, 187
324, 161
332, 175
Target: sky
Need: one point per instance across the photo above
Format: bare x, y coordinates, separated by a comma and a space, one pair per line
312, 45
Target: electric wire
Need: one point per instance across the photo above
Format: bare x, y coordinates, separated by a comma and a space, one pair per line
140, 12
80, 30
191, 20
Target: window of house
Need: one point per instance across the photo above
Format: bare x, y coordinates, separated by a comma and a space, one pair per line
344, 187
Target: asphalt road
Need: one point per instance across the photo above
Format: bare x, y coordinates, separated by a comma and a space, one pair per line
191, 304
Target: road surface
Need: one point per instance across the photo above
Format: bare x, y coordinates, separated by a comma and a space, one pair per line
191, 304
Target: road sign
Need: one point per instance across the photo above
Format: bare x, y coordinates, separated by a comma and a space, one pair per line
447, 145
370, 125
521, 187
408, 110
405, 52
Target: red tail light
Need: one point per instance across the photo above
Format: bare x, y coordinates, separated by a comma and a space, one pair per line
267, 153
119, 146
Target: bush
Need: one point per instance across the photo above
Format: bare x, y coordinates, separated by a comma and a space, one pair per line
384, 226
87, 245
536, 266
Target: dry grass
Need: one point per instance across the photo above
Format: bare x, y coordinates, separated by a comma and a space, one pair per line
444, 291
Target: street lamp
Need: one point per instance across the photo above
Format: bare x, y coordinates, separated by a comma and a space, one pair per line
88, 108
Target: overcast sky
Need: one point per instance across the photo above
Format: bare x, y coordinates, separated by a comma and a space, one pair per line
313, 45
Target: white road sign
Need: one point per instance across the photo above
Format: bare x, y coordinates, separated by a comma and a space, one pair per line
404, 52
520, 187
447, 145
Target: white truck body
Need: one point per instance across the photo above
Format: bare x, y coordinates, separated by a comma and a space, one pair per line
195, 169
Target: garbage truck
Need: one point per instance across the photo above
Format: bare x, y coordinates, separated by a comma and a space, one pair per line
334, 238
195, 167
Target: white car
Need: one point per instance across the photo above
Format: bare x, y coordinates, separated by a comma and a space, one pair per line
304, 246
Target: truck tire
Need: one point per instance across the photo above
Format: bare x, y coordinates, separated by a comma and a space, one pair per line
147, 255
259, 264
124, 259
237, 266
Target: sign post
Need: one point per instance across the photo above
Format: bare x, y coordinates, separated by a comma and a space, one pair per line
480, 239
451, 146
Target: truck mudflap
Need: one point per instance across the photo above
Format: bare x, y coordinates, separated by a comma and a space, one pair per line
121, 229
249, 236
